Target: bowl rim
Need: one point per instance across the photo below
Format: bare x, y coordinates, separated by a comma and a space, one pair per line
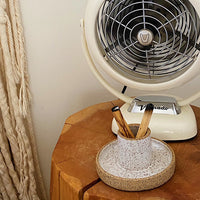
172, 163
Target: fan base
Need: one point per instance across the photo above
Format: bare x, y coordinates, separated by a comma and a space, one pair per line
164, 126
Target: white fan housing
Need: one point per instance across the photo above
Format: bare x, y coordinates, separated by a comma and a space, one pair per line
151, 45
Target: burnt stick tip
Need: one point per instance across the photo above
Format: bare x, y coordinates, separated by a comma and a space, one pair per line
116, 108
149, 107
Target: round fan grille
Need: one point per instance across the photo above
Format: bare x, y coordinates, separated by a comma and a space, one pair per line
149, 38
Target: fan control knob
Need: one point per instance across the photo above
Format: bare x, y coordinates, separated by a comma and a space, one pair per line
145, 37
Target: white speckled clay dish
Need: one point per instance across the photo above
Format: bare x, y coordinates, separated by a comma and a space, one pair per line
159, 171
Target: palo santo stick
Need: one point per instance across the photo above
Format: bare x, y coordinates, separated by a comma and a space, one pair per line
145, 121
123, 126
118, 118
128, 130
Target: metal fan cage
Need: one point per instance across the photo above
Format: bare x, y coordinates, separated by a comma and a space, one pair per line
174, 27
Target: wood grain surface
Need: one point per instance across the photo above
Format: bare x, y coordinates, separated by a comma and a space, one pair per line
73, 170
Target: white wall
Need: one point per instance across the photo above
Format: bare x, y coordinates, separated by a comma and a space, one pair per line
61, 82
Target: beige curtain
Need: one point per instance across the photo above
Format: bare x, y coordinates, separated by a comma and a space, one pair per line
20, 176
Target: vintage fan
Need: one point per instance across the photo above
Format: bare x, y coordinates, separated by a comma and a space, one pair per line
151, 45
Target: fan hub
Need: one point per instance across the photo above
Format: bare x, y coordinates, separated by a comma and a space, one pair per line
145, 37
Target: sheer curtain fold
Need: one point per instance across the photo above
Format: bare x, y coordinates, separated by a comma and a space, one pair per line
20, 175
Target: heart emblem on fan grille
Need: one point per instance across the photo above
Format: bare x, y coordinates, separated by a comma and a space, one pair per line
145, 37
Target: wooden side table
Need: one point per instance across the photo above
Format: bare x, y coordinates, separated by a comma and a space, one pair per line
73, 170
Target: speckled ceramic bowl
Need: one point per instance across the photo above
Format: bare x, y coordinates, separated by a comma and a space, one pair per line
119, 176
